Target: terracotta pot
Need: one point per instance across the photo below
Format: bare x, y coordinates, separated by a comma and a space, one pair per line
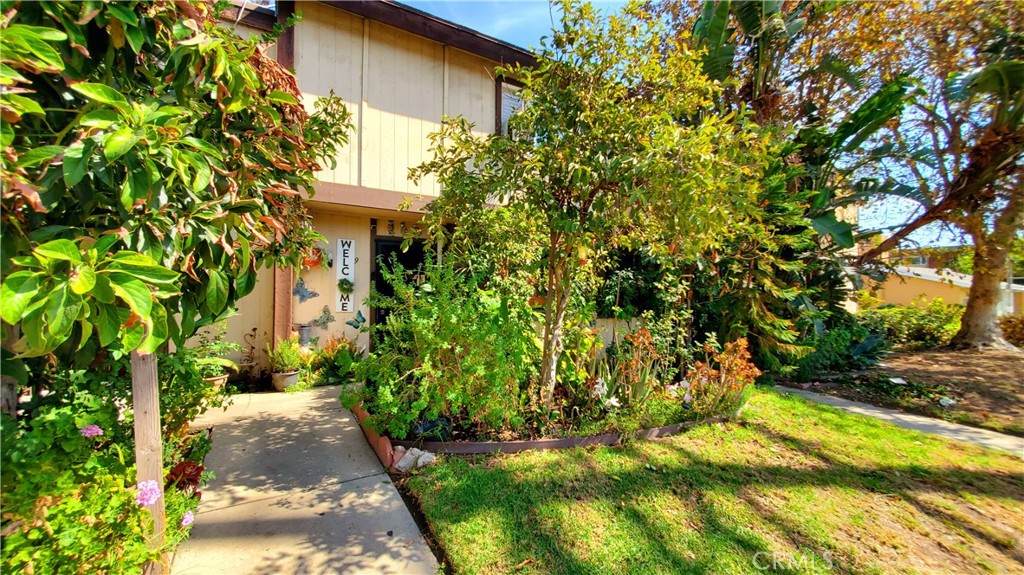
218, 381
283, 380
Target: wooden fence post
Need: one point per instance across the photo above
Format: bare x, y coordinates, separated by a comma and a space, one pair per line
148, 449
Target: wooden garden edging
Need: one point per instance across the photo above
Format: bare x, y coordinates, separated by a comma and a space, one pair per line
384, 446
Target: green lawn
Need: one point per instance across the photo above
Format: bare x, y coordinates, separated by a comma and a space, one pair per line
791, 487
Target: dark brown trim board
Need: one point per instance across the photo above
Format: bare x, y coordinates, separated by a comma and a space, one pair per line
431, 27
286, 43
259, 18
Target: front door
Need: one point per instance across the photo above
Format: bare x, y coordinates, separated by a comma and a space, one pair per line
386, 251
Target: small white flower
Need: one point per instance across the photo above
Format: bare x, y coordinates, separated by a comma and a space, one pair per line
600, 389
612, 402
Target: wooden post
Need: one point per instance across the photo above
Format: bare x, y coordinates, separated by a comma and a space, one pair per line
148, 449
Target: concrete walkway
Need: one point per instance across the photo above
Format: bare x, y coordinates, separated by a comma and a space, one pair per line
982, 437
298, 492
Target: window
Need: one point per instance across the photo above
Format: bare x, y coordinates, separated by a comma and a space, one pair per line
509, 102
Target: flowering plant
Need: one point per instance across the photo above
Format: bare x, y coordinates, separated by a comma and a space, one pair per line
719, 384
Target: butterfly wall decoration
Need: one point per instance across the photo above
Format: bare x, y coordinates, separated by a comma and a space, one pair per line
325, 318
303, 292
358, 321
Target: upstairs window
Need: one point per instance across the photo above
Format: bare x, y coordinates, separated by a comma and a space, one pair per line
510, 104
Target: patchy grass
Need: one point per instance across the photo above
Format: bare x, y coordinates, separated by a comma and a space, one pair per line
987, 386
791, 487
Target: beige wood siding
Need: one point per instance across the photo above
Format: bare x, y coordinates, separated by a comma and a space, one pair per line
471, 89
329, 56
398, 86
404, 104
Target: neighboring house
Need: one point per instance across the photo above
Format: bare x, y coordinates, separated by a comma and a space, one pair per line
907, 284
399, 71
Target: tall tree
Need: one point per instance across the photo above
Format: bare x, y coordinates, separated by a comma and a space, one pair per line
959, 149
605, 149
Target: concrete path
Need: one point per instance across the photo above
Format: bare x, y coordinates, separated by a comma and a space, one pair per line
982, 437
298, 492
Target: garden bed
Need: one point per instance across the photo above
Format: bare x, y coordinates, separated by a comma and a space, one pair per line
384, 446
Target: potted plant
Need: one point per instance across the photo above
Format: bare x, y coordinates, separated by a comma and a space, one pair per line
211, 353
317, 257
286, 359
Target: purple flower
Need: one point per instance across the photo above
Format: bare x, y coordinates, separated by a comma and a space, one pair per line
91, 431
187, 519
687, 398
148, 493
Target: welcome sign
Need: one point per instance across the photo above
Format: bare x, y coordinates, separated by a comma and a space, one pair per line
345, 265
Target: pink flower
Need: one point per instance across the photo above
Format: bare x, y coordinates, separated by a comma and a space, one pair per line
187, 519
91, 431
148, 493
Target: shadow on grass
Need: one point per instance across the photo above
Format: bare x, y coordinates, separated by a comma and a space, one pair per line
730, 529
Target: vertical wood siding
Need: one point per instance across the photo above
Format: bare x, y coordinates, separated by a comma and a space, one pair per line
394, 83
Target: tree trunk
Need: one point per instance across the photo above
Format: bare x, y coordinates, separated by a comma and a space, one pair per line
554, 320
979, 326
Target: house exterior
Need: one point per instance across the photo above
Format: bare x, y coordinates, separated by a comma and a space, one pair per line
399, 72
907, 284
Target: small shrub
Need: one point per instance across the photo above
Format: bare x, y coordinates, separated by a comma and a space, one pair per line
335, 362
1013, 328
840, 348
212, 349
922, 325
185, 393
287, 356
451, 349
720, 384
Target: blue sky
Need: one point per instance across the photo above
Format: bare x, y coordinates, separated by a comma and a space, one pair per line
524, 22
519, 22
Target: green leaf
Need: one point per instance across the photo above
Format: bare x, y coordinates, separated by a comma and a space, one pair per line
17, 292
58, 324
216, 291
841, 232
9, 76
105, 95
117, 144
879, 108
64, 250
151, 274
102, 292
202, 146
108, 324
123, 13
23, 105
87, 330
99, 119
83, 279
36, 156
133, 292
76, 162
157, 331
104, 243
280, 97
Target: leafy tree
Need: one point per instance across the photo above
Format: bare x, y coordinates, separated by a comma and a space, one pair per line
785, 272
610, 149
152, 162
958, 150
